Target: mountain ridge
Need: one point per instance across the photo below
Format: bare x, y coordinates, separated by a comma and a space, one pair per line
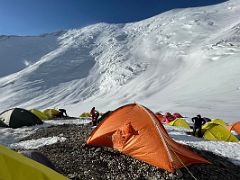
175, 61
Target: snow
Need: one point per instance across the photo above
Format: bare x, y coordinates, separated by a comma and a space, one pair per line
18, 52
68, 121
184, 60
36, 143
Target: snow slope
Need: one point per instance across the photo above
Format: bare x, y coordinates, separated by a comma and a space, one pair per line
184, 60
17, 52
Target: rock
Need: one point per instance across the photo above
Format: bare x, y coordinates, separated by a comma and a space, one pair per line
87, 172
71, 176
98, 149
171, 176
152, 178
179, 173
83, 145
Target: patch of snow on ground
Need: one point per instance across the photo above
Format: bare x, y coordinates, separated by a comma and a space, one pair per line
10, 136
37, 143
68, 121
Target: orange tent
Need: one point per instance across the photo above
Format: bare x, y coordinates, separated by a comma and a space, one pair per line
234, 127
135, 130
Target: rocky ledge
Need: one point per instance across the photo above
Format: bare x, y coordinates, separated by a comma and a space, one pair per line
76, 160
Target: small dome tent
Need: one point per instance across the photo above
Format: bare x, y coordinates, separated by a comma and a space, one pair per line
160, 117
18, 117
169, 117
39, 114
234, 127
51, 113
218, 121
16, 166
180, 122
218, 132
177, 115
2, 124
135, 130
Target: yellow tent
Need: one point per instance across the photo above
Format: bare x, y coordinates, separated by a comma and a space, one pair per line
206, 126
180, 122
16, 166
85, 115
218, 132
218, 121
215, 121
39, 114
209, 124
51, 113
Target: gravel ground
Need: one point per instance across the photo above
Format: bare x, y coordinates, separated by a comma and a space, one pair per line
76, 160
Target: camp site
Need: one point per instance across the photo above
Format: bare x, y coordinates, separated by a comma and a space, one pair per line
132, 135
120, 90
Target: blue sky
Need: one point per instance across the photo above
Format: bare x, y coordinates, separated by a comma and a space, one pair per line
34, 17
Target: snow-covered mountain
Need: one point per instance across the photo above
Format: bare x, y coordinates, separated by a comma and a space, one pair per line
184, 60
17, 52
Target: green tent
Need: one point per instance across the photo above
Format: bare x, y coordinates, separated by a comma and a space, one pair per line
180, 122
218, 132
17, 166
39, 114
218, 121
51, 113
18, 117
206, 126
85, 115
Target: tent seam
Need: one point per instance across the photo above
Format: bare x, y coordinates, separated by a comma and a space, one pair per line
160, 134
